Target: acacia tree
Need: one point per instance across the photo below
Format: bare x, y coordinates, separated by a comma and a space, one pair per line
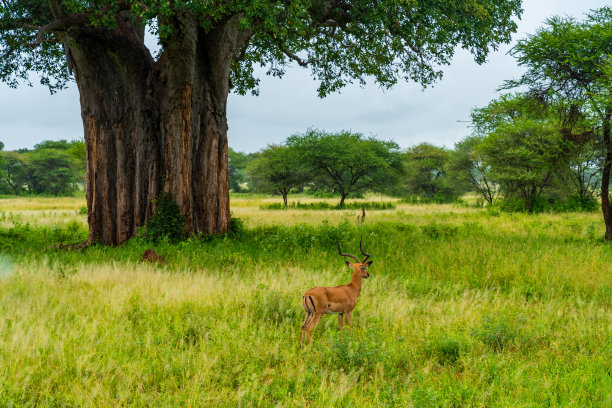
347, 162
278, 168
426, 173
523, 146
158, 123
568, 62
466, 165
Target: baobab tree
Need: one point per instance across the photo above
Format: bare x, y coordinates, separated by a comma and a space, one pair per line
156, 123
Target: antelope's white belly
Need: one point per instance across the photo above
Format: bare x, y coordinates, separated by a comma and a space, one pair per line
331, 312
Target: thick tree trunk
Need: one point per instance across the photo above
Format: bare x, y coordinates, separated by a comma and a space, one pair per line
154, 126
605, 177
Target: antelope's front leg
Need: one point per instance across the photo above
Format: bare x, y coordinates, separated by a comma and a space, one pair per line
347, 317
341, 320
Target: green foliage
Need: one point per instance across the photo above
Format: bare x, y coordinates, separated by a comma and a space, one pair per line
278, 168
498, 332
576, 204
426, 173
347, 162
466, 165
523, 146
368, 205
361, 350
53, 167
237, 164
438, 198
167, 222
387, 41
567, 65
446, 348
237, 227
434, 230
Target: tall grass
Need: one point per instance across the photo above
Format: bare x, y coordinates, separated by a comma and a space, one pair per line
464, 308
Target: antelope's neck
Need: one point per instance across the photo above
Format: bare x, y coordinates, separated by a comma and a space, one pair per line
356, 281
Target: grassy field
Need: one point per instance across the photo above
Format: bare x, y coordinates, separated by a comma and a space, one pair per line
465, 308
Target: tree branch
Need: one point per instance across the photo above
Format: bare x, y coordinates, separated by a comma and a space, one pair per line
291, 55
65, 21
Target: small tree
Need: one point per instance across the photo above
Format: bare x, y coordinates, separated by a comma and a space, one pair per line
51, 171
524, 146
348, 162
277, 168
466, 165
13, 171
426, 172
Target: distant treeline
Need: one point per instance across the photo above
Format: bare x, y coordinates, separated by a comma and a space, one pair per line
51, 168
518, 158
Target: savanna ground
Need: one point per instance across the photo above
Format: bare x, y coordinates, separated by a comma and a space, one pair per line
465, 307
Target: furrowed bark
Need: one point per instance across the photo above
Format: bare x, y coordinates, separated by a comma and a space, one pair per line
195, 126
112, 70
155, 126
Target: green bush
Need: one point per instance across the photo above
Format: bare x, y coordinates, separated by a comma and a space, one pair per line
368, 205
167, 222
271, 306
352, 349
434, 230
445, 348
438, 198
576, 204
497, 332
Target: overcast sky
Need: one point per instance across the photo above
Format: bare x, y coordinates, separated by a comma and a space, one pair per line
406, 113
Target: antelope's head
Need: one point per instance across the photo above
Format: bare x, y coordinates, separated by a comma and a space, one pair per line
361, 266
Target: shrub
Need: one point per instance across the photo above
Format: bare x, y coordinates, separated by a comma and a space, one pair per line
516, 204
445, 348
576, 204
237, 227
439, 230
368, 205
438, 198
167, 222
497, 332
271, 306
353, 350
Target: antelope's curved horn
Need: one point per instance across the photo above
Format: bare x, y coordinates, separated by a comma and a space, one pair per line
340, 252
362, 251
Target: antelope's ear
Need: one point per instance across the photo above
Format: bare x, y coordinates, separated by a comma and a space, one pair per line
369, 263
350, 265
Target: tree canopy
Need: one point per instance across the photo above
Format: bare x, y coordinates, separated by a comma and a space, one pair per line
347, 162
278, 168
524, 145
569, 64
340, 40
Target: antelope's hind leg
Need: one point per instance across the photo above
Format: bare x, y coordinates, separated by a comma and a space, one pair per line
306, 323
341, 320
312, 325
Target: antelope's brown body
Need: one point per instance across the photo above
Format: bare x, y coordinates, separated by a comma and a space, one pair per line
340, 300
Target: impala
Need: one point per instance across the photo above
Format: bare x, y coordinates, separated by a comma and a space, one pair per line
340, 300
